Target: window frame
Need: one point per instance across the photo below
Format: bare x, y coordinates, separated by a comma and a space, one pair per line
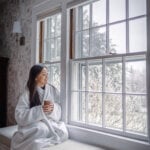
43, 42
79, 133
103, 128
85, 60
107, 25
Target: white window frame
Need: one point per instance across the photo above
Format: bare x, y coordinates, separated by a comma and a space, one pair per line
46, 62
103, 128
123, 56
81, 133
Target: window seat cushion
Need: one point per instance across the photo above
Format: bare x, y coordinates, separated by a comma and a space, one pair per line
6, 134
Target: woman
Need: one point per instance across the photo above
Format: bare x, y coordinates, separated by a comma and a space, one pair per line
38, 114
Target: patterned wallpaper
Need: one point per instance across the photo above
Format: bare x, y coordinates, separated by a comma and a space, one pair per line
19, 63
19, 56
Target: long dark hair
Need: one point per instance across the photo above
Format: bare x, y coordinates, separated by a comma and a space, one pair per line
31, 85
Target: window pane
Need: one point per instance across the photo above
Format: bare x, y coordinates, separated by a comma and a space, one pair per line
38, 45
54, 75
78, 43
52, 26
48, 26
113, 111
136, 77
82, 76
117, 10
117, 38
85, 44
78, 76
113, 76
98, 46
82, 107
58, 48
86, 16
52, 47
78, 18
137, 7
58, 25
95, 77
47, 47
75, 106
38, 30
82, 44
95, 108
78, 106
99, 13
136, 114
137, 35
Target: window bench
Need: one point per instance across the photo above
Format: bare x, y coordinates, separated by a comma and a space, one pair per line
7, 132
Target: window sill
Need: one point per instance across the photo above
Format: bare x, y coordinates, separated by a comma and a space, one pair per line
105, 140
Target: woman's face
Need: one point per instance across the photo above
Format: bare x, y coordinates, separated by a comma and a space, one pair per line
42, 78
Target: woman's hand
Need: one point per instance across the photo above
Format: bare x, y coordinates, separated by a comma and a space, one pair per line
48, 107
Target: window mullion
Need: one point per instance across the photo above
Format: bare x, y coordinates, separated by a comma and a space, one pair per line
50, 53
103, 93
90, 30
55, 37
81, 28
86, 93
48, 41
148, 69
80, 93
107, 26
50, 66
55, 47
123, 94
127, 26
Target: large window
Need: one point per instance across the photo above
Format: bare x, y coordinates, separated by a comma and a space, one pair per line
108, 61
49, 46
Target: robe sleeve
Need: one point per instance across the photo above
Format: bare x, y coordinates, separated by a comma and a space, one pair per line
56, 113
25, 115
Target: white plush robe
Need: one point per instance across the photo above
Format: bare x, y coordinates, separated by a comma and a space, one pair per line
38, 130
